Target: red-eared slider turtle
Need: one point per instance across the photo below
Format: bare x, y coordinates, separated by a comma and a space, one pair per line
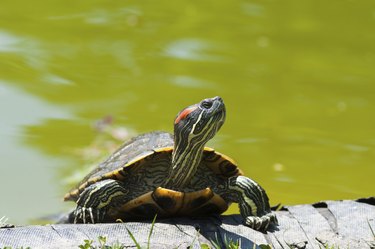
158, 173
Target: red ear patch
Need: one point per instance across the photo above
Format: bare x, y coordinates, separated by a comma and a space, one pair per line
184, 113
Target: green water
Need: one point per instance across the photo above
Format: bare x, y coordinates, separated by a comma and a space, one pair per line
297, 78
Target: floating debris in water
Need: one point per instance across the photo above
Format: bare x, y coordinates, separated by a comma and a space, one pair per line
278, 167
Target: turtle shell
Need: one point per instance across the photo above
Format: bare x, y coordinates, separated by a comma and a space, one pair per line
142, 165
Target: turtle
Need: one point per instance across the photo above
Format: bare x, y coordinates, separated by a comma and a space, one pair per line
167, 175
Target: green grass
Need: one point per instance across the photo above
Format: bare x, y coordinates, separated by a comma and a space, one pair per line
102, 244
229, 243
148, 238
88, 244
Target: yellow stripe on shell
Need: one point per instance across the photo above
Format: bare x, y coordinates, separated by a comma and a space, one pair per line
209, 149
214, 166
164, 149
139, 158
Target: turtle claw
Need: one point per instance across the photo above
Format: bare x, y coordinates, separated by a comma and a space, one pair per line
260, 223
91, 216
87, 215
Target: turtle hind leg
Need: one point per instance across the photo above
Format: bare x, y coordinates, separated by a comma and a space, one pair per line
95, 201
252, 200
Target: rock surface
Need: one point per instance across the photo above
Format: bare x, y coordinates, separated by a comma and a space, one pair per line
342, 224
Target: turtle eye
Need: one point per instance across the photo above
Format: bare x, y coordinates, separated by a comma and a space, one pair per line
206, 104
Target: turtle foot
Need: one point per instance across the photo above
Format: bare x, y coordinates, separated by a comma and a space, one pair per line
261, 223
87, 215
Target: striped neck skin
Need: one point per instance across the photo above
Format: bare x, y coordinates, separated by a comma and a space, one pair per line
188, 150
185, 161
193, 128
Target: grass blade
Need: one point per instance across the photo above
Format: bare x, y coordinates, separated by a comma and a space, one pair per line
150, 233
133, 238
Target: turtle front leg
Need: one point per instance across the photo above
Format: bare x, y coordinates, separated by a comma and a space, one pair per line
94, 202
252, 200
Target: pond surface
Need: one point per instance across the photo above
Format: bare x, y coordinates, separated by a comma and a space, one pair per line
297, 79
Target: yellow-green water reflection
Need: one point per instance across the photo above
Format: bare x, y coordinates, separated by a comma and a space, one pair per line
297, 79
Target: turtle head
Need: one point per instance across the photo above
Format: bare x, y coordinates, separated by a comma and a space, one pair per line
193, 127
196, 124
